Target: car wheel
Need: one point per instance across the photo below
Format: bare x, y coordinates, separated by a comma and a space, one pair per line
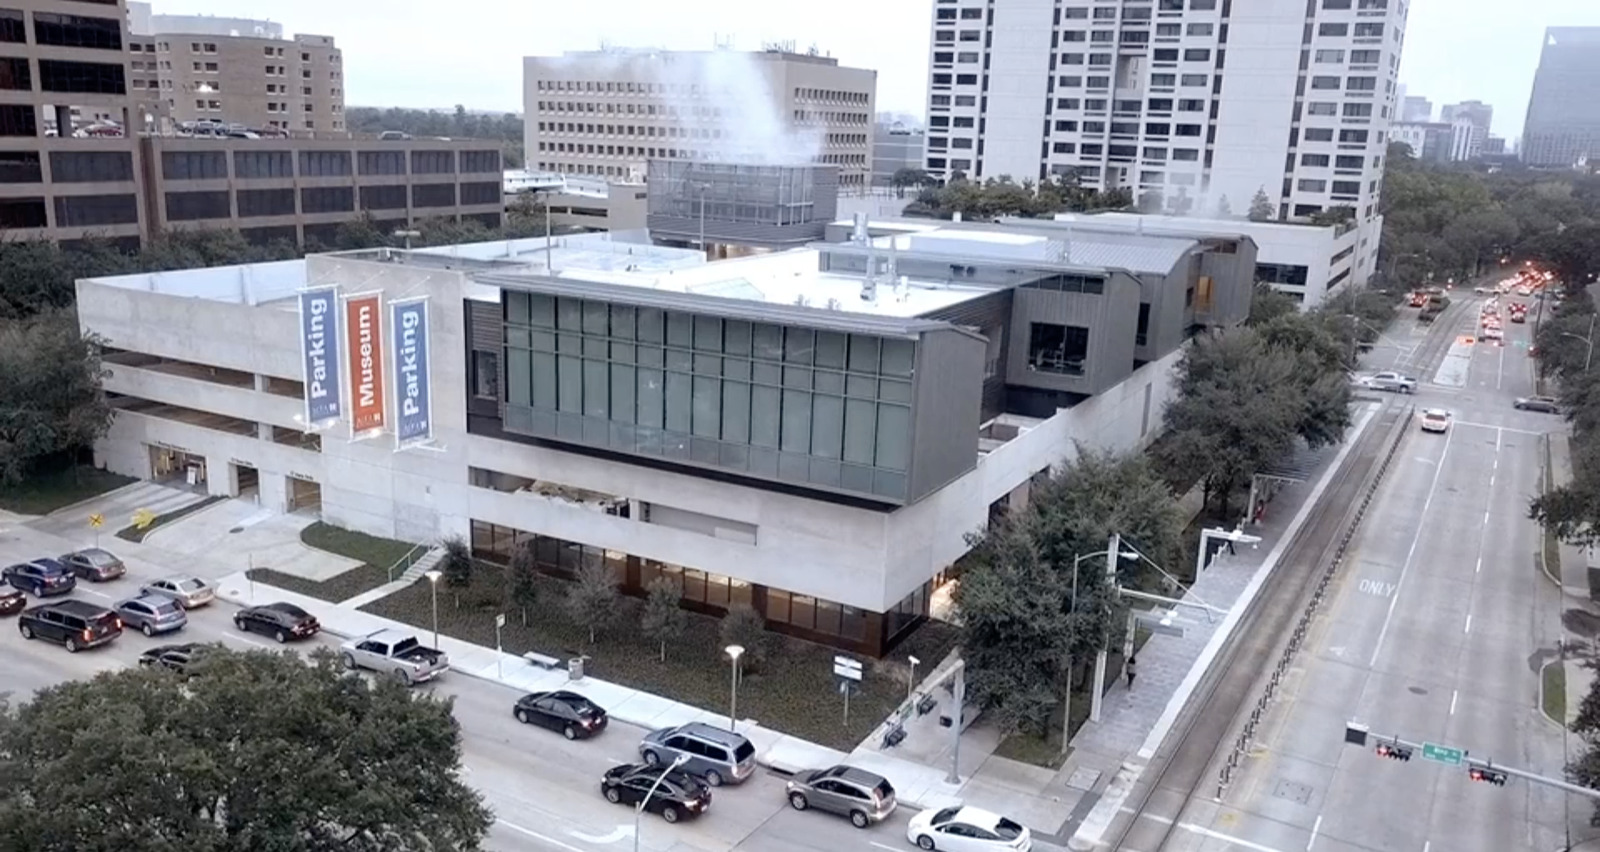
925, 842
714, 778
27, 632
349, 660
669, 813
612, 795
400, 675
281, 637
651, 758
798, 801
72, 645
146, 629
522, 716
239, 623
859, 819
569, 732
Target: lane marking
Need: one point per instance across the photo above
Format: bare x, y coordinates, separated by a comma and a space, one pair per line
1315, 827
1147, 815
1468, 628
890, 848
534, 834
1501, 428
1426, 845
237, 638
1454, 694
1500, 373
1226, 838
618, 833
1479, 566
1416, 538
101, 595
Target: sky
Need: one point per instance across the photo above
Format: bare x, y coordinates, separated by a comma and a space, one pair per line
436, 54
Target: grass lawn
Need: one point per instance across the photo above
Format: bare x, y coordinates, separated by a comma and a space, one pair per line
1041, 751
1554, 676
793, 691
376, 556
135, 534
43, 493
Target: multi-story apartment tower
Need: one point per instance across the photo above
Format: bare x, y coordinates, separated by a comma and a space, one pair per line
607, 112
1563, 124
1472, 120
1188, 101
241, 71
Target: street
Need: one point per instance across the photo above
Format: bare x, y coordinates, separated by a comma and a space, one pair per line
544, 789
1435, 631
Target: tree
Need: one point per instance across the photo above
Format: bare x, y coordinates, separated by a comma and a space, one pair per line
261, 751
1150, 201
664, 619
745, 627
457, 566
592, 599
361, 232
1585, 768
521, 581
1268, 303
1261, 207
50, 377
908, 177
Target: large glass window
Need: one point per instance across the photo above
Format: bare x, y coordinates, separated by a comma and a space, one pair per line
90, 166
1058, 349
77, 31
56, 75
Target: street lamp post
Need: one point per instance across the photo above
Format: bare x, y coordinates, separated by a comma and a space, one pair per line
702, 188
681, 760
406, 234
733, 652
433, 575
911, 682
1588, 357
1237, 535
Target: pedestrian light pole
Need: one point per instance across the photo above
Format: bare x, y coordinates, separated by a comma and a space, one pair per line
734, 652
433, 575
680, 761
1588, 358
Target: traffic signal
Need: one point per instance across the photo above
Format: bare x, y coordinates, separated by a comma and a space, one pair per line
1493, 776
1394, 751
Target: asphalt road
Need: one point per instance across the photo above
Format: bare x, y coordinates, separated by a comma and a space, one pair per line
1434, 631
543, 789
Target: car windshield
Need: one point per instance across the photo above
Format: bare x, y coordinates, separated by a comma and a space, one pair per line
189, 585
166, 607
98, 557
945, 815
1008, 829
290, 610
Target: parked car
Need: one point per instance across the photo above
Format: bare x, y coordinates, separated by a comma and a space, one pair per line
573, 715
966, 829
12, 601
714, 754
184, 660
1390, 381
395, 653
281, 621
94, 564
1541, 404
42, 577
190, 591
74, 623
151, 614
676, 796
1435, 420
864, 797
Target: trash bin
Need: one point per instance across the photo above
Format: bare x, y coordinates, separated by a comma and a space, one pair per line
575, 668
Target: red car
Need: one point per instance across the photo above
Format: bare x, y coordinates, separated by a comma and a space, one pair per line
12, 601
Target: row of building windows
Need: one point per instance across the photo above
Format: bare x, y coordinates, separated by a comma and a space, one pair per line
702, 590
189, 206
213, 165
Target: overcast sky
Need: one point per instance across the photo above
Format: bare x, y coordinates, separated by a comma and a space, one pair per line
433, 53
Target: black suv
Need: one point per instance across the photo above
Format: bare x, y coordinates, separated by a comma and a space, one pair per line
74, 623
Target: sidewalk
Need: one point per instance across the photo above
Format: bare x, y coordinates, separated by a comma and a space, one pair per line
1577, 577
916, 785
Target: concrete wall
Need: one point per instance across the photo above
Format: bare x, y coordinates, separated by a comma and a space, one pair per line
1017, 91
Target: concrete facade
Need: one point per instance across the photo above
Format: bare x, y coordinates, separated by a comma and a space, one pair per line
206, 376
895, 147
258, 82
605, 113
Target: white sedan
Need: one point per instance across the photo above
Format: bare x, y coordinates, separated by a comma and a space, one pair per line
189, 591
965, 829
1435, 420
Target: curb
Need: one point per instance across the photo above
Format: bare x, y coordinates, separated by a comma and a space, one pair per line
1560, 723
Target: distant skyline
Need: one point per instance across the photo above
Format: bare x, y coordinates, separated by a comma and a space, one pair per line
421, 54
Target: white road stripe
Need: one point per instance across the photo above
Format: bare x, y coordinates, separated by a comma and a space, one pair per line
1315, 827
531, 833
1416, 537
1217, 835
1479, 566
1468, 628
101, 595
1147, 815
237, 638
1454, 694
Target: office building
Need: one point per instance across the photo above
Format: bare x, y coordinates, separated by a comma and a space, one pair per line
811, 432
72, 168
606, 113
894, 147
1309, 263
1472, 120
1297, 103
579, 202
1563, 124
1429, 141
238, 72
726, 207
1494, 146
1416, 109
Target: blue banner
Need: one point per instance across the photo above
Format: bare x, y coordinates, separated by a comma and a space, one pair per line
413, 392
319, 349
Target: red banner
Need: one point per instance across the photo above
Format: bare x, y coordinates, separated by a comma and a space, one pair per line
364, 338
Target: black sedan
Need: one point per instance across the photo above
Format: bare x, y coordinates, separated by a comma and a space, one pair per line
182, 659
281, 621
573, 715
677, 796
12, 601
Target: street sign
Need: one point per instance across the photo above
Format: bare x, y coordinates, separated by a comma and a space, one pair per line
1441, 754
500, 620
97, 521
143, 518
847, 668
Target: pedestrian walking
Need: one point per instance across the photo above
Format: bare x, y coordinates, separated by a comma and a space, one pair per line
1231, 551
1129, 667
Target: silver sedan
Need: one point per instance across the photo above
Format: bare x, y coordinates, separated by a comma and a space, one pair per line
188, 590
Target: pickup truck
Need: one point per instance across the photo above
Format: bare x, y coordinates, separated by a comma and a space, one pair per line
396, 653
1393, 382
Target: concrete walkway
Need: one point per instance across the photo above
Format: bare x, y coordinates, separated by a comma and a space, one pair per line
117, 507
238, 534
1575, 571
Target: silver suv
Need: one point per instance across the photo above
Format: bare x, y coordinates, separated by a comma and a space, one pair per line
716, 755
864, 797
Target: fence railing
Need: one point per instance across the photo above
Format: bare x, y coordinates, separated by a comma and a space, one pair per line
1241, 745
410, 558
